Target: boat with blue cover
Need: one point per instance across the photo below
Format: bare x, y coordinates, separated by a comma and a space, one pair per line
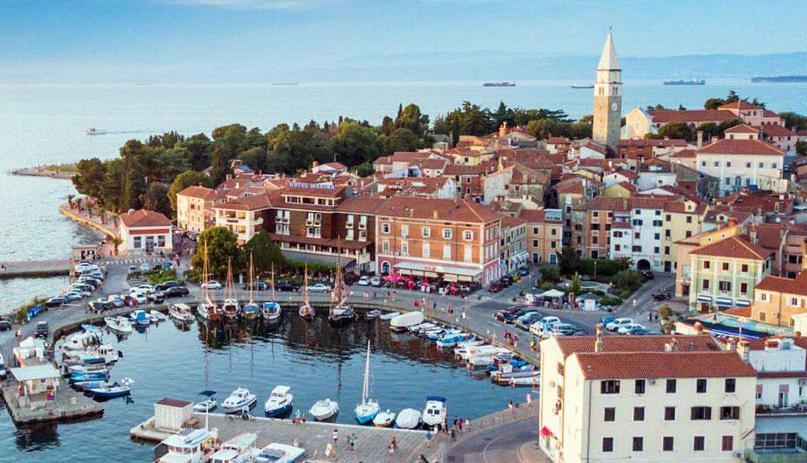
111, 391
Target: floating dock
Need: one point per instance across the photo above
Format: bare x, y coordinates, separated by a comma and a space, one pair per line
67, 405
371, 442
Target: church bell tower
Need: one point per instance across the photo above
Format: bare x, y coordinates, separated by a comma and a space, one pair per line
608, 96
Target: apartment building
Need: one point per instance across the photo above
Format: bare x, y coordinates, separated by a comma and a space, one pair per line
452, 240
513, 244
644, 399
544, 234
777, 299
243, 215
636, 232
195, 208
682, 219
744, 162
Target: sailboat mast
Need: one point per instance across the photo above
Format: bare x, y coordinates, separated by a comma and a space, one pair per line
366, 388
305, 283
272, 281
251, 277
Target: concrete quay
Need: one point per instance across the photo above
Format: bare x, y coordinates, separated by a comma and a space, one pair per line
67, 405
34, 268
371, 442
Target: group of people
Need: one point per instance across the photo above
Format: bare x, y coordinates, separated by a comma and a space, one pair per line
512, 338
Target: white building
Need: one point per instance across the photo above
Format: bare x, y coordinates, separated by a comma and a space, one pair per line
243, 215
644, 399
144, 231
781, 372
742, 163
636, 234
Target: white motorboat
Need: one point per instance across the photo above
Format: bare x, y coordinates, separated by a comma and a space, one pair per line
188, 446
435, 411
325, 409
388, 315
372, 315
94, 131
530, 379
463, 346
408, 418
483, 350
278, 453
427, 326
404, 322
384, 419
481, 361
279, 403
368, 408
156, 315
236, 450
118, 324
240, 399
181, 313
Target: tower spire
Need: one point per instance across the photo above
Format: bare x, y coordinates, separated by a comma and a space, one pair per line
608, 58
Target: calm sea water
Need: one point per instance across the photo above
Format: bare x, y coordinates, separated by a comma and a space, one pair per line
315, 361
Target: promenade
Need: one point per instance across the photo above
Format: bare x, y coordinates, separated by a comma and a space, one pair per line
34, 268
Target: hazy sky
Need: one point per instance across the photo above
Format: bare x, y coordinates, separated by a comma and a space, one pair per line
238, 34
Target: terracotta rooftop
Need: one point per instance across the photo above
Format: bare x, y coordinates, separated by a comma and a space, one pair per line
684, 154
200, 192
438, 209
361, 204
797, 285
651, 365
732, 247
144, 218
755, 147
697, 343
245, 203
741, 128
696, 115
739, 104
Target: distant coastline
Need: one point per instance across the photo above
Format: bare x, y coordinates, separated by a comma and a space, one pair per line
57, 171
780, 79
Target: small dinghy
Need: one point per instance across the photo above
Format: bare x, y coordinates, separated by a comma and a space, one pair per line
372, 315
118, 324
140, 317
181, 313
111, 391
408, 418
87, 385
207, 405
271, 312
384, 419
388, 315
279, 403
325, 409
156, 315
533, 379
93, 376
450, 340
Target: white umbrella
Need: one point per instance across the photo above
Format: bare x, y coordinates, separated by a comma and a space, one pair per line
553, 293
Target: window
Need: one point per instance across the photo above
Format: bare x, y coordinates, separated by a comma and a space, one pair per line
609, 387
609, 414
385, 246
638, 444
724, 286
607, 444
446, 252
747, 165
700, 386
761, 165
427, 232
426, 250
727, 443
725, 266
744, 268
707, 264
728, 163
689, 219
404, 248
468, 257
668, 444
669, 413
638, 413
731, 385
639, 386
744, 288
447, 233
671, 383
729, 413
385, 228
698, 443
404, 230
701, 413
468, 235
137, 242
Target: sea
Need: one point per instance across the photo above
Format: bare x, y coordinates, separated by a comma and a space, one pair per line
46, 124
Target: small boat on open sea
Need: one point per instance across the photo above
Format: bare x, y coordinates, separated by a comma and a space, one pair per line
94, 131
240, 399
324, 409
408, 418
279, 403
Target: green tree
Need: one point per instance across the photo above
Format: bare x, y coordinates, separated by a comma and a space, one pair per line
264, 252
725, 125
89, 178
576, 287
198, 148
184, 180
411, 118
801, 148
794, 121
156, 198
677, 130
231, 138
354, 144
569, 260
403, 139
255, 158
364, 169
222, 244
111, 195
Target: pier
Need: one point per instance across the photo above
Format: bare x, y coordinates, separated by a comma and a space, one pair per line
35, 268
66, 405
371, 442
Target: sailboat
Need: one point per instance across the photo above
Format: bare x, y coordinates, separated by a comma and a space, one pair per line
306, 312
368, 408
340, 313
270, 311
251, 308
207, 309
230, 307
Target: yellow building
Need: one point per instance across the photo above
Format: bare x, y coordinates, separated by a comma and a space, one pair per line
644, 399
195, 208
682, 219
544, 234
778, 299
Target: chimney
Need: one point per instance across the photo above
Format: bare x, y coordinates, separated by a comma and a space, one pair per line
314, 165
503, 129
598, 347
743, 347
700, 139
731, 345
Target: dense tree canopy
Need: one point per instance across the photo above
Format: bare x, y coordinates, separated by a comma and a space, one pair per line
265, 253
184, 180
222, 245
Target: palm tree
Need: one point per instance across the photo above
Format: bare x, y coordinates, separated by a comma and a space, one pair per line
116, 241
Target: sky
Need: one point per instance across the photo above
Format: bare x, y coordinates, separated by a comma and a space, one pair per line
41, 35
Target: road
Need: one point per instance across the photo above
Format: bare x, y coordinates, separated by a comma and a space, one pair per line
496, 445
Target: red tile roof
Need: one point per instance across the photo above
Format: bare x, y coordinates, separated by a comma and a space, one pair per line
732, 247
144, 218
200, 192
739, 104
245, 203
684, 154
741, 128
438, 209
696, 343
755, 147
697, 115
618, 365
797, 285
361, 204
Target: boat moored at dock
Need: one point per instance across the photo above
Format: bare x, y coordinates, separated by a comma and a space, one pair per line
408, 418
280, 402
189, 446
240, 400
181, 313
324, 409
435, 411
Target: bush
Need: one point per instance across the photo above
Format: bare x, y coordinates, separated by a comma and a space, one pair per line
603, 267
156, 277
20, 316
610, 300
665, 312
313, 267
625, 294
627, 280
193, 276
550, 274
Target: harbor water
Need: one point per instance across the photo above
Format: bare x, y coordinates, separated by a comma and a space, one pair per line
314, 359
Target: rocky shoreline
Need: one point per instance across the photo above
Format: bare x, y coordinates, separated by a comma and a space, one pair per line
43, 172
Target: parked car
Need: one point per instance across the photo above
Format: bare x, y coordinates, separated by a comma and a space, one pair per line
166, 284
646, 331
212, 284
72, 296
563, 329
524, 271
115, 300
506, 281
145, 267
375, 281
500, 314
648, 274
604, 321
139, 297
257, 286
661, 296
512, 317
83, 287
526, 320
54, 302
495, 287
319, 288
133, 269
285, 285
99, 305
41, 330
630, 328
145, 288
617, 323
364, 280
5, 325
176, 291
543, 325
128, 300
157, 297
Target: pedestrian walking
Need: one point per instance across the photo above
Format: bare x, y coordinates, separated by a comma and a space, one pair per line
510, 404
335, 436
352, 442
393, 445
529, 397
459, 425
